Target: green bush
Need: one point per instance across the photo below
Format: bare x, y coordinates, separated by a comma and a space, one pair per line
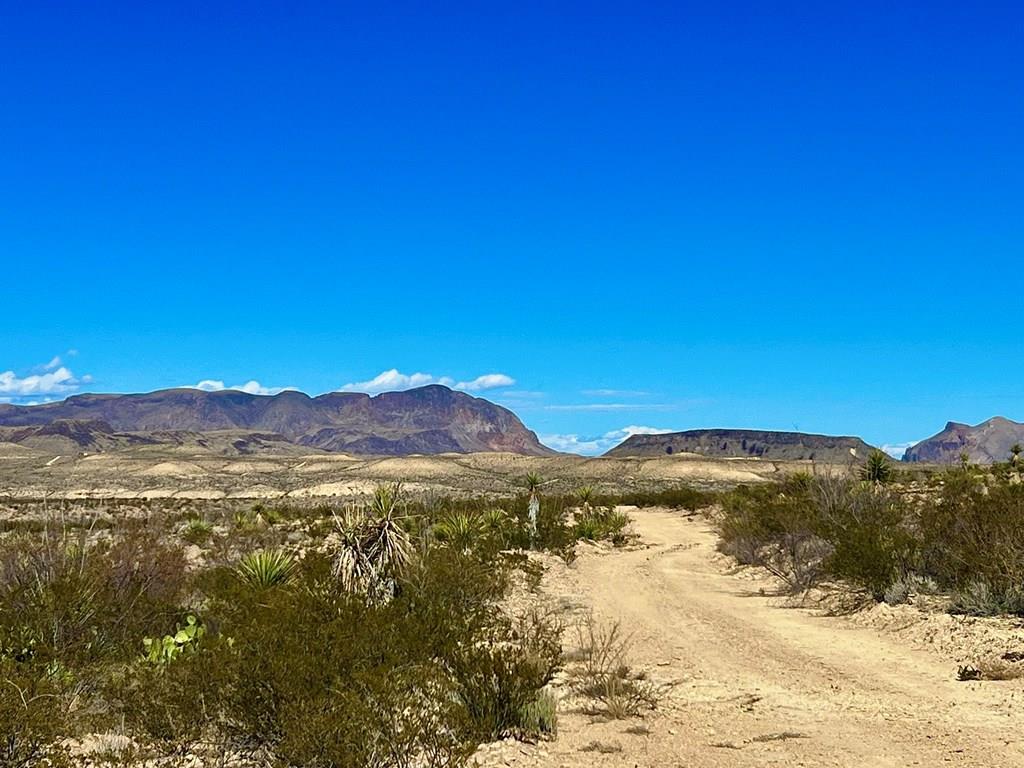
973, 534
315, 674
805, 529
197, 531
539, 717
681, 497
601, 523
319, 675
865, 525
35, 713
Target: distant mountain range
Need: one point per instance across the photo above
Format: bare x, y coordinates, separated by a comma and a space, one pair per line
428, 420
751, 443
985, 443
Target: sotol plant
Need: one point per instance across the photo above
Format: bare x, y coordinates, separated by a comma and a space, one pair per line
266, 568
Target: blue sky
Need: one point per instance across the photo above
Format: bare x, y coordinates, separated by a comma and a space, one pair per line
661, 215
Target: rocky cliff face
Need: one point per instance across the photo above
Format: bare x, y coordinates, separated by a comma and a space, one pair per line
747, 443
431, 419
985, 443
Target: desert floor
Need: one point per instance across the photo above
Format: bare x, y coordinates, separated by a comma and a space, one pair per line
151, 473
750, 682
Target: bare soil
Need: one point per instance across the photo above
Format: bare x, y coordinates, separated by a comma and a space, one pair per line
163, 472
752, 682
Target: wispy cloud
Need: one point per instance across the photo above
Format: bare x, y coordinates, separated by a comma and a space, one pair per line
52, 378
394, 380
487, 381
252, 387
592, 446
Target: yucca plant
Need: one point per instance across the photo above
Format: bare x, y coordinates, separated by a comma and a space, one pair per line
375, 549
496, 521
877, 470
533, 483
197, 531
585, 494
266, 568
461, 530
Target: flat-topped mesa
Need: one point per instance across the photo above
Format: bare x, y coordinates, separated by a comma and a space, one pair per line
747, 443
431, 419
984, 443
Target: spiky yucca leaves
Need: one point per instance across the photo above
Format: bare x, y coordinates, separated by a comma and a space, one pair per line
461, 530
877, 470
374, 549
585, 494
496, 521
266, 568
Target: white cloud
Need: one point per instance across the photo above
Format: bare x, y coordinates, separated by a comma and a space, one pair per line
53, 364
592, 446
394, 380
56, 381
896, 450
252, 387
487, 381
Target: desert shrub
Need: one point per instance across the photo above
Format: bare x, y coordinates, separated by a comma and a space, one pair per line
776, 526
865, 525
197, 531
808, 528
320, 675
35, 712
80, 602
972, 540
907, 586
495, 684
1003, 667
980, 598
681, 497
540, 717
601, 523
602, 674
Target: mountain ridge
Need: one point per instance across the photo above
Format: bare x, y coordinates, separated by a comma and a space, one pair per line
747, 443
430, 419
984, 443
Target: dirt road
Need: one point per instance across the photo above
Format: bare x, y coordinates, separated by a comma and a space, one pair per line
760, 684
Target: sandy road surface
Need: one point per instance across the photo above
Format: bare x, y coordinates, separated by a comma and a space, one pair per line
759, 684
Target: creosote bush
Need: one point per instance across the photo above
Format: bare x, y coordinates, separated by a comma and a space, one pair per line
382, 644
965, 535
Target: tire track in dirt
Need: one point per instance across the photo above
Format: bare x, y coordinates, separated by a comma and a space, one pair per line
758, 684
